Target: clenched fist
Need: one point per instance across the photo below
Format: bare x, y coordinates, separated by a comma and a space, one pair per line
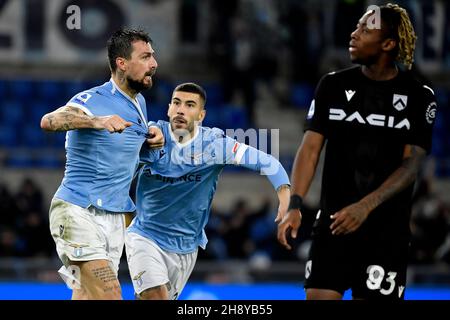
112, 123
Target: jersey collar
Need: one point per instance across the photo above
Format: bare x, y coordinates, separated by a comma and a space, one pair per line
134, 101
183, 144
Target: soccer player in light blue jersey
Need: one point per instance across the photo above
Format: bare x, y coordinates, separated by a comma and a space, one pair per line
106, 127
175, 188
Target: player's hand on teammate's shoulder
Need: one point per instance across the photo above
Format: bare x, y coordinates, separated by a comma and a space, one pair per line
289, 224
157, 138
349, 219
112, 123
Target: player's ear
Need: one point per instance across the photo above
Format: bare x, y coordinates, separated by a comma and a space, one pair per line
121, 63
388, 44
202, 115
168, 109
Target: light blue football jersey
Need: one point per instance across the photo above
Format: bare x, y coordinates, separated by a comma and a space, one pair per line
176, 185
100, 165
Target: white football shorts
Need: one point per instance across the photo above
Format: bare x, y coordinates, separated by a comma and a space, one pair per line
82, 234
150, 266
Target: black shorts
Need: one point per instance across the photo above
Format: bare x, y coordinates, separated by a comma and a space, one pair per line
372, 264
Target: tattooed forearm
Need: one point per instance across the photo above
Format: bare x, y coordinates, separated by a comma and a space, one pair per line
400, 179
50, 119
65, 119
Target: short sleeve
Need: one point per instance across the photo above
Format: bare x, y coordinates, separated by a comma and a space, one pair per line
422, 120
317, 117
84, 101
155, 124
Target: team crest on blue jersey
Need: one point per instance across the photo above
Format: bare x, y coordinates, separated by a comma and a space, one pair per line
196, 158
399, 101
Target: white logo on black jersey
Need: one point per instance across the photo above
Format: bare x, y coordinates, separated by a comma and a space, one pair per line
427, 87
431, 113
318, 214
399, 101
308, 269
373, 119
311, 110
349, 94
400, 290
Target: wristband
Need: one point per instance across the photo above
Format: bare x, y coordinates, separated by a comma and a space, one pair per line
295, 202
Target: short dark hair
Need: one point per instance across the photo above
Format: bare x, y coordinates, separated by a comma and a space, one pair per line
121, 44
192, 88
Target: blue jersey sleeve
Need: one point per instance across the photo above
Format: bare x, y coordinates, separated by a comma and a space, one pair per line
154, 124
266, 164
84, 100
151, 155
241, 154
148, 155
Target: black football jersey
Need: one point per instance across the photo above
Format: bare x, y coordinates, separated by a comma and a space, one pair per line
366, 125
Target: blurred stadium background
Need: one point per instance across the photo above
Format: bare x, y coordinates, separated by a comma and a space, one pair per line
259, 61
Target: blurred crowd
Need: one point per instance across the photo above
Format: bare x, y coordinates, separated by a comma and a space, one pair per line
286, 46
242, 233
24, 230
430, 226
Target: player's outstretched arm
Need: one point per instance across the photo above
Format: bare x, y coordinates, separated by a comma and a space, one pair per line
304, 168
351, 217
283, 193
70, 118
267, 165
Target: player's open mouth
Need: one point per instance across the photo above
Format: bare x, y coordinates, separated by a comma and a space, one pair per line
149, 75
179, 120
